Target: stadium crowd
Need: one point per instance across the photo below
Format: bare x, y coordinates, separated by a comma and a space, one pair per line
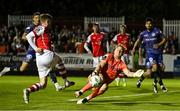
66, 39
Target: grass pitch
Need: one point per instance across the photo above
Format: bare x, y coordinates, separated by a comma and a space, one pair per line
116, 98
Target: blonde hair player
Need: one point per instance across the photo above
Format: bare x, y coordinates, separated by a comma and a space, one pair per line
108, 69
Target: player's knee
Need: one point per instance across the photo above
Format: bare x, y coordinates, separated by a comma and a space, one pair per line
162, 67
147, 73
154, 68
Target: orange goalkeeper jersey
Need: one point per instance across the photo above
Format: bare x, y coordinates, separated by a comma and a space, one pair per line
112, 68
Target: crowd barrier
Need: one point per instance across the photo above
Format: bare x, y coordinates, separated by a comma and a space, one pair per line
84, 62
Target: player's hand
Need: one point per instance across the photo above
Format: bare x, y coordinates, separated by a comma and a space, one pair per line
39, 50
156, 46
138, 73
94, 73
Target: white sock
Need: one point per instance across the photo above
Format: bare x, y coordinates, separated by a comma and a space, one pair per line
87, 98
56, 84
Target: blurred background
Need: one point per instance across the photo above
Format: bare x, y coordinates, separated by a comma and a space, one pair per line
73, 22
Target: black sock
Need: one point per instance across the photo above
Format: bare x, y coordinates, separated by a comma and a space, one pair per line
53, 77
160, 78
141, 78
14, 68
155, 76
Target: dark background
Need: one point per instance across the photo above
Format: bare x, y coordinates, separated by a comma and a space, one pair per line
131, 9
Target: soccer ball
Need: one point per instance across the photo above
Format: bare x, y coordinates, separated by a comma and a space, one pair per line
95, 81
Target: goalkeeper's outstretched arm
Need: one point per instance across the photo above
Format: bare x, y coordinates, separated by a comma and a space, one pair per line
138, 73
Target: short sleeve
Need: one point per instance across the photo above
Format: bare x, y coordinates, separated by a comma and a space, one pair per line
28, 29
115, 38
141, 36
88, 39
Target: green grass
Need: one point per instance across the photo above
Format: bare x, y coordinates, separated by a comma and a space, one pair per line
116, 98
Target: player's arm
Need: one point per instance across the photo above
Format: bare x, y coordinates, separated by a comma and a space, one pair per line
27, 30
138, 73
114, 41
163, 41
24, 36
140, 55
86, 45
136, 44
30, 38
98, 68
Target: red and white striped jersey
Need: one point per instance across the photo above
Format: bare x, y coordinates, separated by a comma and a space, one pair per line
122, 39
96, 40
42, 38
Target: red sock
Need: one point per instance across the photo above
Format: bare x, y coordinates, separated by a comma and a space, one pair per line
35, 87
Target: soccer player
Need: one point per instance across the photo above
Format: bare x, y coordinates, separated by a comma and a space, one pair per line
99, 43
153, 41
122, 38
108, 69
46, 59
30, 55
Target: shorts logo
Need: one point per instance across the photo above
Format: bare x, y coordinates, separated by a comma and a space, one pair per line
29, 56
151, 60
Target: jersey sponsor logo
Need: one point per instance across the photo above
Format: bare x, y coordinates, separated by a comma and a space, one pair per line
29, 56
28, 28
151, 60
153, 34
150, 39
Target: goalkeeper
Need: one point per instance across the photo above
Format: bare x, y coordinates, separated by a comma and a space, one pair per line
108, 69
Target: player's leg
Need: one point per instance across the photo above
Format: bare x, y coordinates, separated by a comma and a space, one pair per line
84, 89
146, 74
43, 62
63, 72
149, 62
53, 77
155, 76
33, 88
25, 63
4, 71
96, 92
14, 68
24, 66
160, 81
43, 71
30, 57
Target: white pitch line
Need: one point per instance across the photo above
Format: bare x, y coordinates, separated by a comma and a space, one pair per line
130, 95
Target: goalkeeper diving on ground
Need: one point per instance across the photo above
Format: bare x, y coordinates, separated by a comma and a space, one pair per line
107, 71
